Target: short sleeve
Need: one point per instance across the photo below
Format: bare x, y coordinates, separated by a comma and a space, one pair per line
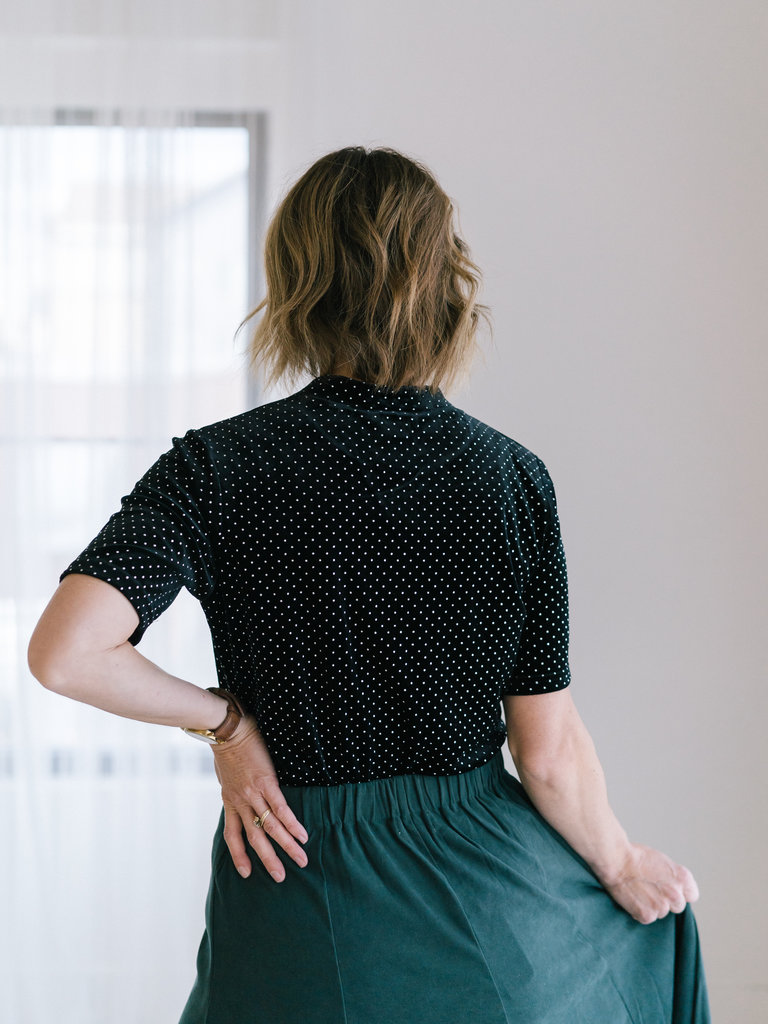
159, 540
542, 658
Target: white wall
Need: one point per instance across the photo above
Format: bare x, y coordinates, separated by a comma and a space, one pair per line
609, 164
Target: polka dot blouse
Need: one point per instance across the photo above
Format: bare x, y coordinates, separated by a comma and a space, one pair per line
377, 568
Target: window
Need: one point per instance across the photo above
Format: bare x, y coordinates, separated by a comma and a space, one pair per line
128, 258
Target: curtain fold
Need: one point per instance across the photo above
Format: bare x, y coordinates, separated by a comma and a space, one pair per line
124, 249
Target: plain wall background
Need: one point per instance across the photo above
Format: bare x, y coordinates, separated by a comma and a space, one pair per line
608, 162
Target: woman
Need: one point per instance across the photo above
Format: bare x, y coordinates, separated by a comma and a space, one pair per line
380, 572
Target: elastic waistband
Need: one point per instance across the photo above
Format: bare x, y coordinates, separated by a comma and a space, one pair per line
392, 797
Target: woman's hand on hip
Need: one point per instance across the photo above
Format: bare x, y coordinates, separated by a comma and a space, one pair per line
249, 787
649, 884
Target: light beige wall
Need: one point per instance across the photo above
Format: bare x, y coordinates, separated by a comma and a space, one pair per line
609, 164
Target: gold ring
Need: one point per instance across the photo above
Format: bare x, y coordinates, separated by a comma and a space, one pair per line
259, 820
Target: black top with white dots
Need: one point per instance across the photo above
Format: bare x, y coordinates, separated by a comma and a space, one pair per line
377, 568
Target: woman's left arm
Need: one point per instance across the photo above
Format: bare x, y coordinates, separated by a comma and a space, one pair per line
79, 648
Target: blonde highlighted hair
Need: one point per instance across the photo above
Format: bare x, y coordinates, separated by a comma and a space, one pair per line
365, 271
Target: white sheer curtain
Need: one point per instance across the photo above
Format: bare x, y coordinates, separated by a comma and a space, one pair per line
124, 272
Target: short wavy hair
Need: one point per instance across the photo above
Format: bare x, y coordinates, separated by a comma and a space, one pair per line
365, 271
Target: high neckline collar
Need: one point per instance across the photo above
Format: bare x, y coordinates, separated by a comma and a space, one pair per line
351, 391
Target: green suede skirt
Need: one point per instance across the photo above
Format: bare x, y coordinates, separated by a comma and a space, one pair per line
434, 900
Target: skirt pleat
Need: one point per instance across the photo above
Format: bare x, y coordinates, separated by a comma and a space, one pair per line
434, 900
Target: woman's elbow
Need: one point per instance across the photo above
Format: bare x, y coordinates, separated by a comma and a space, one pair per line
48, 660
41, 664
544, 732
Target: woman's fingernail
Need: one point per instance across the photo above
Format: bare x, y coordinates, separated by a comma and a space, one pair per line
244, 872
277, 876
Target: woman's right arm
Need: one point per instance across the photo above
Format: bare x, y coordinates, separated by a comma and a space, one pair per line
559, 769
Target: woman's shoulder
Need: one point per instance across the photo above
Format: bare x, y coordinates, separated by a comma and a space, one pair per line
514, 453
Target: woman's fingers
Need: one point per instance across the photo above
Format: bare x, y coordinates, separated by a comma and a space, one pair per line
260, 839
690, 888
265, 851
275, 800
235, 822
652, 885
678, 892
233, 837
274, 827
281, 824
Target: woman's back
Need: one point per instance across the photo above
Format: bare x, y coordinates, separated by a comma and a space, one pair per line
378, 568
